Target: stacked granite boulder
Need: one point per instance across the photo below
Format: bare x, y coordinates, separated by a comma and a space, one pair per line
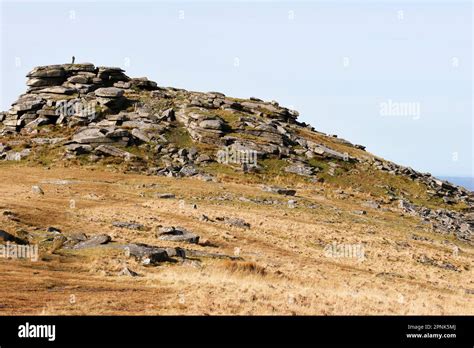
83, 78
52, 86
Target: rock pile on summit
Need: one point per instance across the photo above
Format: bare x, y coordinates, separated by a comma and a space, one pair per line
55, 91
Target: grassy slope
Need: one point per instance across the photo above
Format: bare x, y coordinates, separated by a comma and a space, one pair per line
285, 269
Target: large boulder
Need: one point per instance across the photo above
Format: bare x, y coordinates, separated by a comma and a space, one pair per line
58, 90
40, 82
215, 123
27, 104
143, 83
300, 169
91, 135
93, 242
80, 67
108, 150
111, 74
81, 79
140, 135
177, 234
47, 71
202, 126
146, 253
330, 153
16, 155
79, 149
7, 237
109, 92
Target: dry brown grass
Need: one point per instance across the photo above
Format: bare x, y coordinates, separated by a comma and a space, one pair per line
244, 267
284, 268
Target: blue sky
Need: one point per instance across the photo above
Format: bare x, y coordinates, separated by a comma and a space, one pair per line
335, 62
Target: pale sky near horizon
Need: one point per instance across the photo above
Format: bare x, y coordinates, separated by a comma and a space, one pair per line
338, 63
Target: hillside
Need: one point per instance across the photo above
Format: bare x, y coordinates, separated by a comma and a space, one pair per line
155, 200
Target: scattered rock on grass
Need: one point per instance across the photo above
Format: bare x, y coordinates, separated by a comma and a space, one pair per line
177, 234
37, 190
280, 190
7, 237
146, 254
128, 225
128, 272
165, 195
93, 242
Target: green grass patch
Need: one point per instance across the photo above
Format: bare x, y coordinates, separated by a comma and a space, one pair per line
179, 136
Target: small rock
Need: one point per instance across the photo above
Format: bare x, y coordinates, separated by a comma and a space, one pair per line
204, 218
300, 169
168, 114
449, 200
235, 222
129, 225
37, 190
280, 190
74, 239
371, 204
188, 171
203, 158
79, 149
165, 195
421, 238
58, 242
204, 177
360, 212
140, 135
128, 272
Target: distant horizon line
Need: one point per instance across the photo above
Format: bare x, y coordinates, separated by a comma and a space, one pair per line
454, 176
